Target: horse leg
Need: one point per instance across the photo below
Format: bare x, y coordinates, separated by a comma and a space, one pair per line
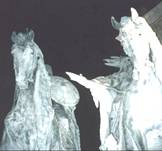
104, 129
121, 143
140, 140
108, 142
137, 139
121, 113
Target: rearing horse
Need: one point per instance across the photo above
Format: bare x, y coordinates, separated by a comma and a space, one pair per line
142, 104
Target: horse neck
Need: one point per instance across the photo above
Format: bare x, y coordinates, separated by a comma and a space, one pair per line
41, 94
145, 78
156, 50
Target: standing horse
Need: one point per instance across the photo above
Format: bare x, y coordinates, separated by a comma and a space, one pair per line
33, 123
142, 104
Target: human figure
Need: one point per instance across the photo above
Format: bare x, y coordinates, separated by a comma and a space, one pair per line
107, 93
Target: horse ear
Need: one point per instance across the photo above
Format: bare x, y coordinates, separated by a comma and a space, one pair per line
115, 24
31, 35
134, 14
13, 37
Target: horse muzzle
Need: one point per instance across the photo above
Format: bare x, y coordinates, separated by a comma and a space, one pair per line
22, 84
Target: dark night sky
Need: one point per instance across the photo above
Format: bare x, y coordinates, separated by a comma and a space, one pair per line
73, 36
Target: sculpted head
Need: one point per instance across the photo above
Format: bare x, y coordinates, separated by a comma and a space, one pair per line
133, 35
25, 56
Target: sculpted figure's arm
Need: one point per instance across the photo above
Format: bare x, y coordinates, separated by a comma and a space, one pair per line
101, 95
89, 84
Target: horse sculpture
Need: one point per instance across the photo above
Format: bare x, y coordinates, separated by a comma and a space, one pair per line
142, 103
42, 115
131, 99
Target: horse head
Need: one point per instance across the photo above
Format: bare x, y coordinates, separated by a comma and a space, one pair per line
134, 36
25, 55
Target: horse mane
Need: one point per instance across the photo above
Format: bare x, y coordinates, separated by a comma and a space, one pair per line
123, 62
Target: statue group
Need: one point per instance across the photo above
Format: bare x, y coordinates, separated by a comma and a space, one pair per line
130, 100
